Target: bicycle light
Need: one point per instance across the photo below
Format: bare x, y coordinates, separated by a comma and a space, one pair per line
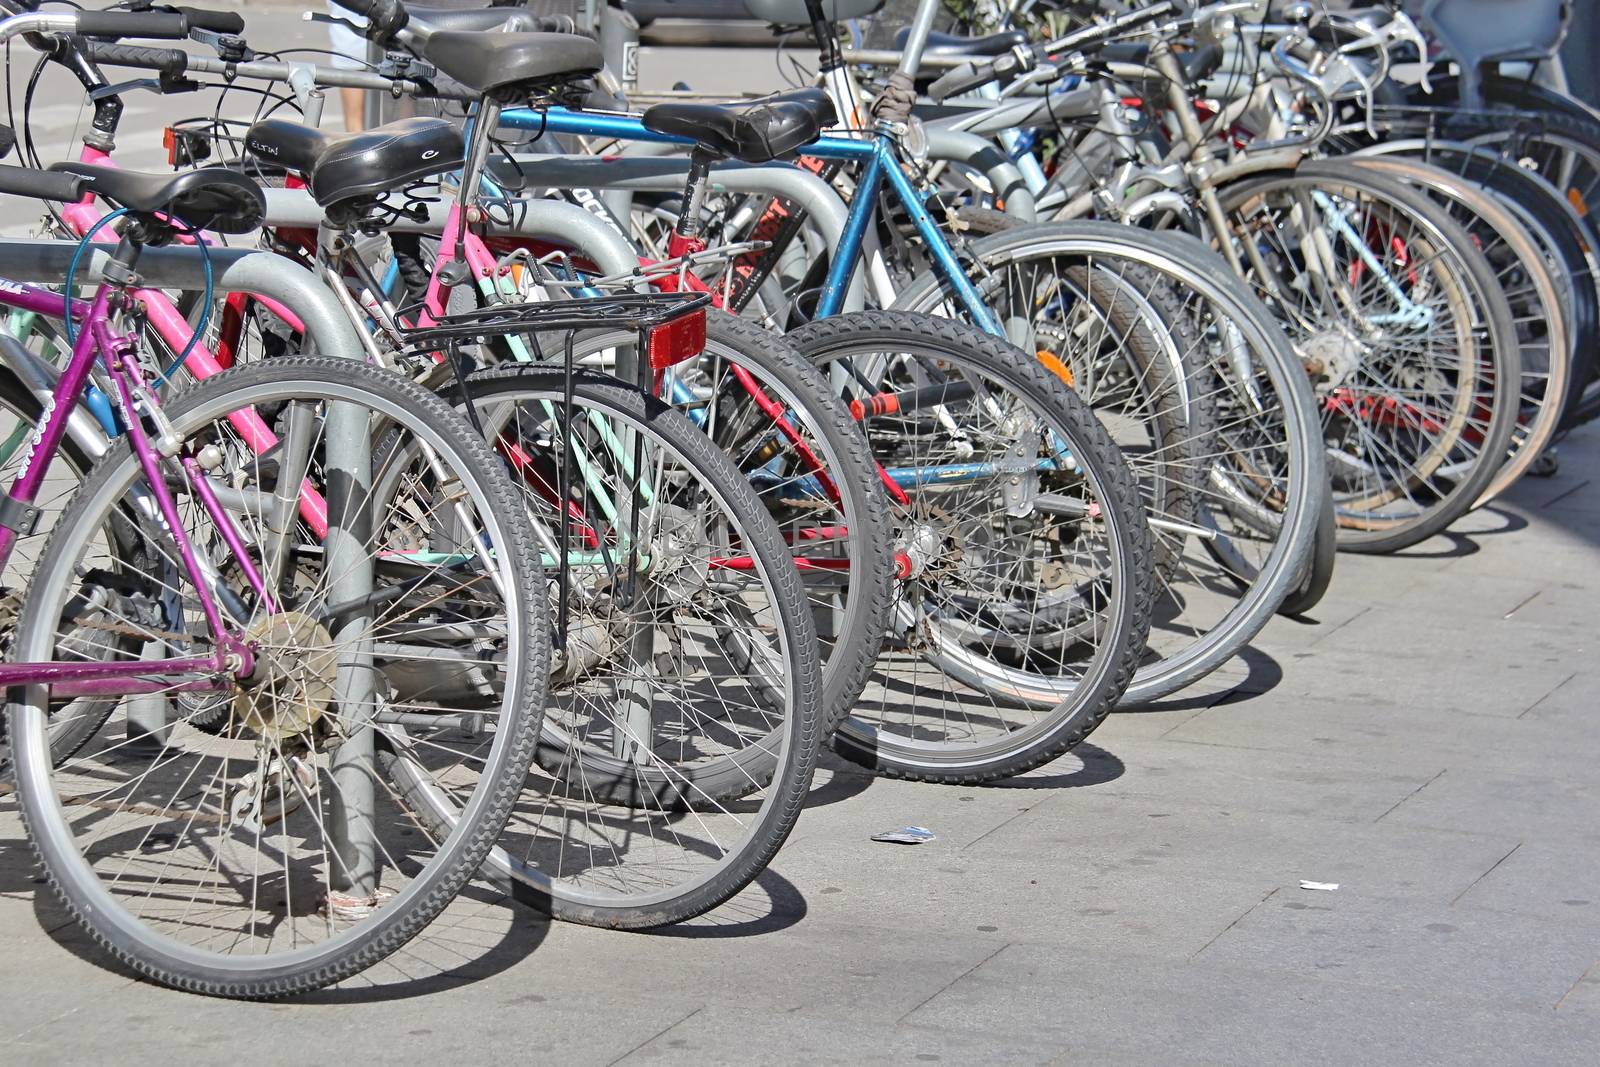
673, 342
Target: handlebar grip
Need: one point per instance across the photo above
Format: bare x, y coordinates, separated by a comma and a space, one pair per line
40, 184
960, 79
167, 60
228, 22
384, 18
132, 24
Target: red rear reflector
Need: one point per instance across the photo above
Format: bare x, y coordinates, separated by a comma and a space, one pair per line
673, 342
169, 141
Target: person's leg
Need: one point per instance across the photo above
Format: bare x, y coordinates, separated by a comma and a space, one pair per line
354, 102
349, 53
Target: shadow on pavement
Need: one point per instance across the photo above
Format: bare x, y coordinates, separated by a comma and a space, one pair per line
1099, 767
742, 916
1264, 674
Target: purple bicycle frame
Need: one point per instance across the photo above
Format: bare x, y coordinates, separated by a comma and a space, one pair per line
232, 656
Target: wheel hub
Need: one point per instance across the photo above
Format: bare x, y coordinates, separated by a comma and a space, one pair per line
924, 546
1330, 357
292, 683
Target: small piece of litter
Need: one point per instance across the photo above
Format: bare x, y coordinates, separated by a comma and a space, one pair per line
906, 835
1326, 887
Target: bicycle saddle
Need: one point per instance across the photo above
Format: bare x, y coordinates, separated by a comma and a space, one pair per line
954, 44
793, 12
340, 167
494, 62
645, 12
754, 132
213, 198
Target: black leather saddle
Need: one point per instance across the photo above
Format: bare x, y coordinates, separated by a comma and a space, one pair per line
755, 132
506, 62
223, 201
953, 44
341, 167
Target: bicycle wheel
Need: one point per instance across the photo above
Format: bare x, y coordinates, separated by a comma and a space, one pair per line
684, 719
769, 410
271, 858
1413, 356
1026, 563
1533, 295
1246, 451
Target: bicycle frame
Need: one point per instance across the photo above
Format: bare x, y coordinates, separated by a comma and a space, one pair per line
97, 340
878, 156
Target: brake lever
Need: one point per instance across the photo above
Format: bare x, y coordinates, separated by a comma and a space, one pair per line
333, 20
1407, 32
162, 85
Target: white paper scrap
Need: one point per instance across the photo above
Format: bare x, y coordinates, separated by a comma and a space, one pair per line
1326, 887
906, 835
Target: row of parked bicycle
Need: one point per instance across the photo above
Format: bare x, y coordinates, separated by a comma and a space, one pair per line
520, 502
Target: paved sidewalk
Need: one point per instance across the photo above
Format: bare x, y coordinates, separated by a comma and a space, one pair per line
1427, 742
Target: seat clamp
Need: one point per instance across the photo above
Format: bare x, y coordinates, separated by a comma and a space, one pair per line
19, 516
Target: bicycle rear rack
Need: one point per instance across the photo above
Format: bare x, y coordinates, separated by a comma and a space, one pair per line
637, 312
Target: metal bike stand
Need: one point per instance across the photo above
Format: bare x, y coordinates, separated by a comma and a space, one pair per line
981, 154
247, 270
552, 220
349, 461
816, 197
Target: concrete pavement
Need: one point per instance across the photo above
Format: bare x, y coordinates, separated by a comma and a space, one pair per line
1427, 742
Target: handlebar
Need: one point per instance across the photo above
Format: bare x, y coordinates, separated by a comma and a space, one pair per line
225, 22
167, 60
174, 25
1105, 31
172, 61
152, 24
966, 77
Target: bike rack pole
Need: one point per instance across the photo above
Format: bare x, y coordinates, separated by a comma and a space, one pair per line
958, 146
329, 331
552, 220
823, 206
352, 822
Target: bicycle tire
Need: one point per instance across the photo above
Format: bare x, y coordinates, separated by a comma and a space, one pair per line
1495, 229
848, 653
1358, 531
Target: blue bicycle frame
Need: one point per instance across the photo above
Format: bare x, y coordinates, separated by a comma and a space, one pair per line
880, 166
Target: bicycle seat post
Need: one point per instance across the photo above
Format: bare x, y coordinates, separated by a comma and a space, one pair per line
484, 122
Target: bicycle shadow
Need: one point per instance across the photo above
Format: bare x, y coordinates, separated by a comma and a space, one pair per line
1097, 766
744, 916
1263, 674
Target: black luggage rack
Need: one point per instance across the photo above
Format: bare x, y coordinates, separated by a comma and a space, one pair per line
637, 312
